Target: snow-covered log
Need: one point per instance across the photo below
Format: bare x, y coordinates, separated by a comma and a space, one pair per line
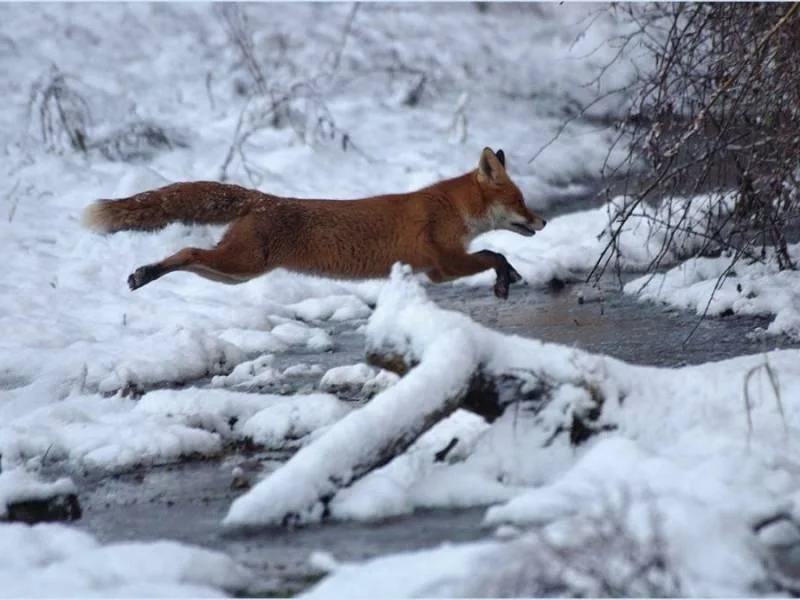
511, 370
449, 362
364, 440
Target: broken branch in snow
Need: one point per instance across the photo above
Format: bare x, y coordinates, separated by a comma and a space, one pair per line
364, 440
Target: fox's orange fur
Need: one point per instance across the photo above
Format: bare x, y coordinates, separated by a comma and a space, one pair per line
428, 229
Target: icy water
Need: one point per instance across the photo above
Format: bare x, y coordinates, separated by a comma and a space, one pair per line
187, 502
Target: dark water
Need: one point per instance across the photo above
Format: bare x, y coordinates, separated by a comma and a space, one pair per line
611, 323
187, 502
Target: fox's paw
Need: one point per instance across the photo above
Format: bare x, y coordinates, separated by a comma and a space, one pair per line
135, 280
501, 288
140, 277
513, 275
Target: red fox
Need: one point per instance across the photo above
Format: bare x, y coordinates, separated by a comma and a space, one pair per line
428, 229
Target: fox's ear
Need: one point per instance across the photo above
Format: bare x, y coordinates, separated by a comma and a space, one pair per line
490, 166
501, 156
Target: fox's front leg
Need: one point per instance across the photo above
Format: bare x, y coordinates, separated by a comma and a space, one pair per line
461, 264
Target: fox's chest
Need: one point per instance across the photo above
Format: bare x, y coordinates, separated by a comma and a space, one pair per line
478, 225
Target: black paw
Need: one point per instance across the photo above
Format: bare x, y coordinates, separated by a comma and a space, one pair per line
140, 277
513, 275
501, 288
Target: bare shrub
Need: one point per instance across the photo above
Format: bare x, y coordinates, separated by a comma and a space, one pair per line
59, 103
138, 141
63, 112
617, 551
718, 111
271, 103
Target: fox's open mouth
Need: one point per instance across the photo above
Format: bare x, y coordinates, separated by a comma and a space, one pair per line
523, 229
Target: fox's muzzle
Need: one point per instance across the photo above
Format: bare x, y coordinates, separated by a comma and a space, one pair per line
529, 227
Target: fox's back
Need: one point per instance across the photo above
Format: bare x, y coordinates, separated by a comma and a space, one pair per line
347, 238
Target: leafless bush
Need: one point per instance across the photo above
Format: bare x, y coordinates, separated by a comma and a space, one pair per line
62, 110
59, 102
272, 103
599, 555
719, 111
138, 141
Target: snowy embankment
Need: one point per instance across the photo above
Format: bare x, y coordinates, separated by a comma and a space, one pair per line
684, 462
719, 286
51, 560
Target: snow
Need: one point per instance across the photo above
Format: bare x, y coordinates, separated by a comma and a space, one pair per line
315, 471
407, 575
87, 367
571, 244
113, 434
360, 379
293, 418
52, 560
709, 449
332, 308
18, 485
743, 287
414, 480
707, 556
709, 544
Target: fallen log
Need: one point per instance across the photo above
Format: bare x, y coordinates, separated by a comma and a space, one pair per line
364, 440
446, 362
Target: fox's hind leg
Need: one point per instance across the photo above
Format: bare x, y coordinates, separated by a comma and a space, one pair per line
238, 257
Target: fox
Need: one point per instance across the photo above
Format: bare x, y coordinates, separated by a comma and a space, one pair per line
429, 229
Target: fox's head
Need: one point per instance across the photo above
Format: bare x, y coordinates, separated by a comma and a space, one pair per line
504, 202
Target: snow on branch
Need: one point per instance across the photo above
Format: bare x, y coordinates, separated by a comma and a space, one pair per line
364, 440
448, 362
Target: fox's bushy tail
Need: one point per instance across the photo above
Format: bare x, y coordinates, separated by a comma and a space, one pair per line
202, 202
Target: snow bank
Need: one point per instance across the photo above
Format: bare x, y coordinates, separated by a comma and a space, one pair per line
50, 560
296, 492
703, 535
718, 286
113, 434
18, 485
407, 575
687, 461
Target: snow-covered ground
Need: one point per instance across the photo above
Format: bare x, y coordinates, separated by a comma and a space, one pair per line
716, 286
84, 363
72, 330
52, 560
670, 496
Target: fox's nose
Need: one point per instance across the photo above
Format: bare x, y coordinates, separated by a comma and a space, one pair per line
544, 222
